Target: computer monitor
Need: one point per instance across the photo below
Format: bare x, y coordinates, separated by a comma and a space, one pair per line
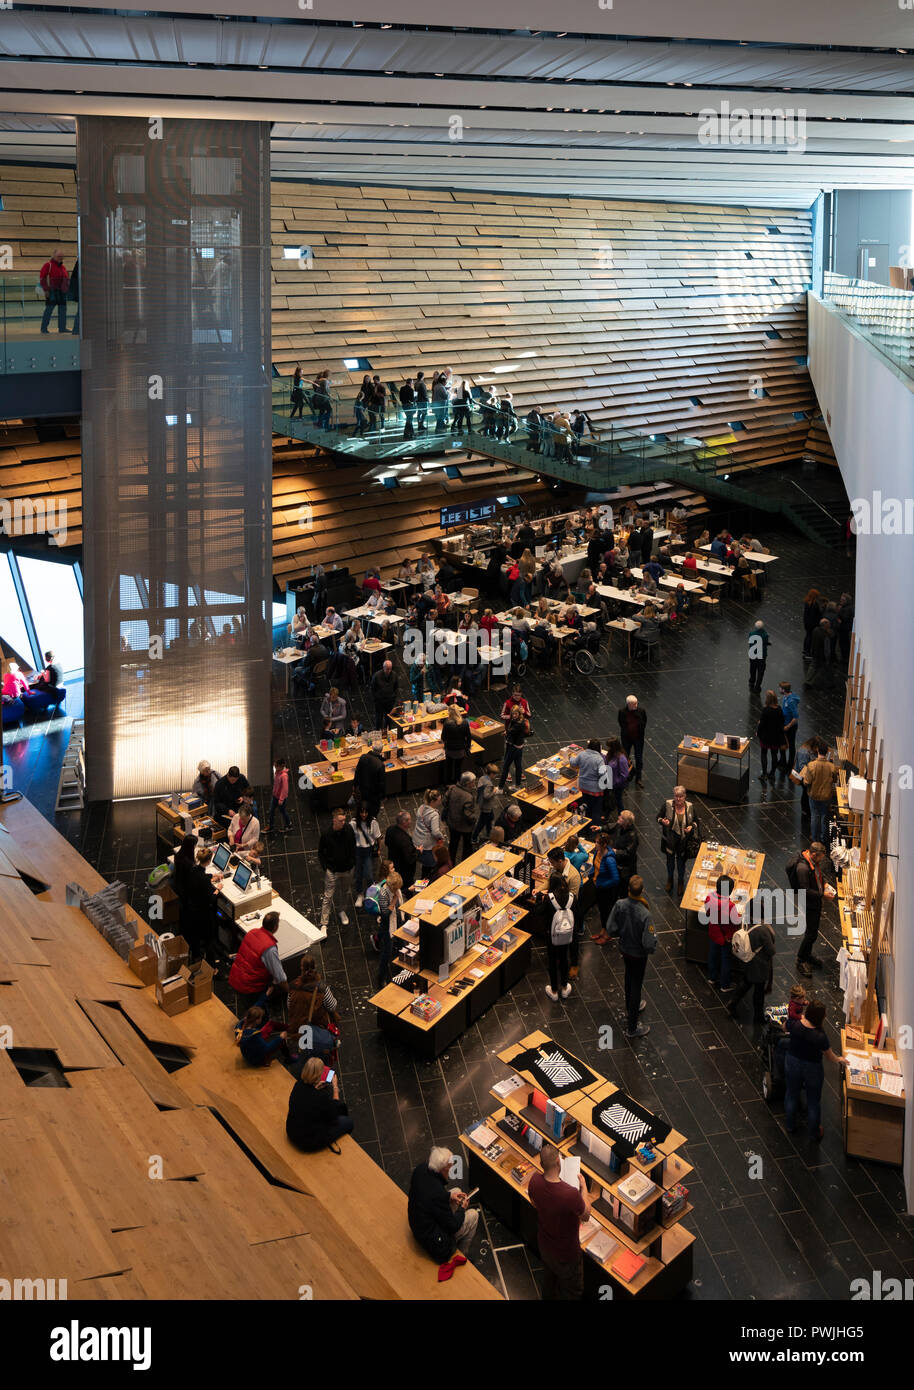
242, 877
221, 857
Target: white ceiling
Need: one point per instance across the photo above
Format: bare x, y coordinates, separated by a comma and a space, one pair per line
546, 113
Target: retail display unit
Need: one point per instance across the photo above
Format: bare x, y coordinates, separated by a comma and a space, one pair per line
717, 767
744, 866
634, 1242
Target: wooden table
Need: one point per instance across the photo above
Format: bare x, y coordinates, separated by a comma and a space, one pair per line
713, 769
669, 581
754, 556
737, 864
709, 567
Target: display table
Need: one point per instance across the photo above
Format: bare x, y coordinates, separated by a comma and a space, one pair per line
462, 965
296, 934
556, 788
586, 1117
743, 866
873, 1117
713, 769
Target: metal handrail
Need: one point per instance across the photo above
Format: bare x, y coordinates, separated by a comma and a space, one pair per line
814, 501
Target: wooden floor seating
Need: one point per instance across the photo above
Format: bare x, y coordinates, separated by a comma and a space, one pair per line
229, 1209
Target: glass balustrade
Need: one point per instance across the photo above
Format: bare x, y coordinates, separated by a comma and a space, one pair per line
598, 460
886, 315
23, 346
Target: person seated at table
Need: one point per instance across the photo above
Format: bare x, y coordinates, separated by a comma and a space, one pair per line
753, 544
205, 783
353, 637
15, 684
244, 829
333, 712
372, 582
374, 600
667, 609
489, 623
648, 626
744, 572
542, 628
682, 600
354, 726
425, 606
690, 563
626, 579
612, 565
406, 572
229, 793
425, 570
520, 623
569, 617
541, 611
467, 622
448, 579
441, 600
333, 620
300, 625
646, 585
303, 673
719, 548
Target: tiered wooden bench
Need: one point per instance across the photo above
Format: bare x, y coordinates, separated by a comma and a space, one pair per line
126, 1104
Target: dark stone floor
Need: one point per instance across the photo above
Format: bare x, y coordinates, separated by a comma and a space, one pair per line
814, 1219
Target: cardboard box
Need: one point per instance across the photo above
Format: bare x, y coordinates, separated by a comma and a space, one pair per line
144, 964
171, 995
176, 953
199, 981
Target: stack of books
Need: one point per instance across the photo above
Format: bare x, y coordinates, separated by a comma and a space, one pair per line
673, 1200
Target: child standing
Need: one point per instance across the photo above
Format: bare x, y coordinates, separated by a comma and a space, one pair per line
280, 794
485, 801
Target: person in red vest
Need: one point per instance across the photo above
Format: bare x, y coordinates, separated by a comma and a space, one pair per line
55, 282
257, 968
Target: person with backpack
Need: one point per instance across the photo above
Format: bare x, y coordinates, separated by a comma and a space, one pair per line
680, 837
630, 921
607, 882
753, 946
257, 1036
722, 917
367, 838
559, 935
485, 802
389, 899
805, 874
460, 816
516, 734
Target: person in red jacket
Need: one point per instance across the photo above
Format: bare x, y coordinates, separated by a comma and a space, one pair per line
722, 917
257, 968
55, 282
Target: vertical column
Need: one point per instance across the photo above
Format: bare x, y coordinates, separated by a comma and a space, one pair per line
177, 460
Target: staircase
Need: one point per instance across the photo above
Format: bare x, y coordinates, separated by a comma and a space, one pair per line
615, 459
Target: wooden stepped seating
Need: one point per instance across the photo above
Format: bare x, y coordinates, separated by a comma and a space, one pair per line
215, 1225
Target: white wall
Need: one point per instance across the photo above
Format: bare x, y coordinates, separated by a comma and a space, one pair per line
869, 409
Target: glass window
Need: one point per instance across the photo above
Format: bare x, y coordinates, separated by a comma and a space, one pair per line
56, 607
12, 624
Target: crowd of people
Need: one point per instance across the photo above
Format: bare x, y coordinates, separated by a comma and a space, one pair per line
438, 404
